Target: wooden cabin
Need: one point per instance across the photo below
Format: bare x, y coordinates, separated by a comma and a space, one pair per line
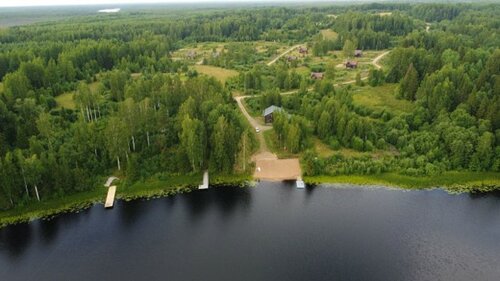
303, 50
358, 53
317, 75
351, 64
268, 113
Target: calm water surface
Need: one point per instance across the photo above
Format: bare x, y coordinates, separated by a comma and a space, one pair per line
270, 232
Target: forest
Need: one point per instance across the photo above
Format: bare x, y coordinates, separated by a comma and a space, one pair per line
89, 96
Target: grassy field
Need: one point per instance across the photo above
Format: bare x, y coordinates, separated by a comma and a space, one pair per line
453, 181
329, 34
65, 100
219, 73
381, 98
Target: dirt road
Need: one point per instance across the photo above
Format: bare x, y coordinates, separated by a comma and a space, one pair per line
282, 54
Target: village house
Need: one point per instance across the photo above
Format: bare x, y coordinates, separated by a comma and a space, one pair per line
351, 64
191, 54
358, 53
303, 50
268, 113
291, 58
317, 75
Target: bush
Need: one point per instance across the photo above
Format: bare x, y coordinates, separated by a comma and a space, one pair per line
368, 145
334, 144
357, 144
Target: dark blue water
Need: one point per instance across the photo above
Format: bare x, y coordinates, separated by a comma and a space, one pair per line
269, 232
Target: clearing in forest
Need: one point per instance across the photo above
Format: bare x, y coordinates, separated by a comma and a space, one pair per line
381, 98
221, 74
65, 101
329, 34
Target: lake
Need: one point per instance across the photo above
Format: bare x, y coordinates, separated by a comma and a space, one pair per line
269, 232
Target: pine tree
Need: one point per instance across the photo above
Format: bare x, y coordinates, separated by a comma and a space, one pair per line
409, 85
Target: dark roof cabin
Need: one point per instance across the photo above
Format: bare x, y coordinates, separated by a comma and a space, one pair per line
291, 58
351, 64
303, 50
317, 75
358, 53
268, 113
191, 54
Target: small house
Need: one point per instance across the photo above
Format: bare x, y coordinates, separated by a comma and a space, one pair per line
268, 113
358, 53
216, 54
303, 50
351, 64
191, 54
291, 58
317, 75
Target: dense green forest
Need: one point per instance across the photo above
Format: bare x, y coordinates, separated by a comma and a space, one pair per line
137, 110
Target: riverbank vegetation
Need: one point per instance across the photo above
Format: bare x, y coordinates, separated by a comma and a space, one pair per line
140, 94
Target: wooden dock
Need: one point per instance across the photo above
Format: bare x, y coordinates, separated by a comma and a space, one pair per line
205, 181
110, 199
110, 181
300, 183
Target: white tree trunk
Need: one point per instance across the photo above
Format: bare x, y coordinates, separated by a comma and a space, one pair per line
147, 136
83, 114
133, 143
118, 162
36, 192
89, 118
25, 183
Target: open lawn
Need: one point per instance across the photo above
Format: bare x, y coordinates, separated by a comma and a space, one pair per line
65, 101
219, 73
324, 151
329, 34
381, 98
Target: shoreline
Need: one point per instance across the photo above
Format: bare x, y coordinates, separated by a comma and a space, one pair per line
472, 182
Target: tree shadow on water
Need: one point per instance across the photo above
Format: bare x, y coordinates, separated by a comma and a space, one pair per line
15, 239
231, 199
49, 229
225, 199
130, 212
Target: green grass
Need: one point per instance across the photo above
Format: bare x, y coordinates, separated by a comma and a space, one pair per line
453, 181
381, 98
219, 73
329, 34
65, 100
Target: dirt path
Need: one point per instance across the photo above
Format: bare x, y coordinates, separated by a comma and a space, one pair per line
255, 124
378, 58
282, 54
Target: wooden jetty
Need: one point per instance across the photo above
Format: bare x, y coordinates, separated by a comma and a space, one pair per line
205, 181
110, 181
110, 199
300, 183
